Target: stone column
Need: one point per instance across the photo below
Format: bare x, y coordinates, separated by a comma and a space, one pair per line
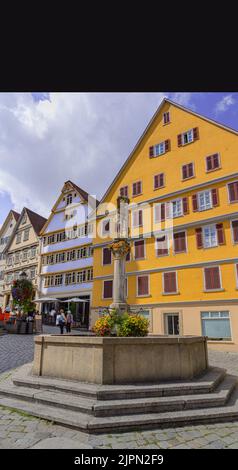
119, 249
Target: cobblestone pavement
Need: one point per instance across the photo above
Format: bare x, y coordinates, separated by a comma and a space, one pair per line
16, 350
17, 430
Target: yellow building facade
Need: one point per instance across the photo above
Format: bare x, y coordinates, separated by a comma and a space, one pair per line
182, 182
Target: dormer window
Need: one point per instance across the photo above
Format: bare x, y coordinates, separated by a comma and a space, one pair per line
188, 137
69, 199
24, 219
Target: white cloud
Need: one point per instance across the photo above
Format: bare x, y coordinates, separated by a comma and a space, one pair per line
185, 99
224, 103
85, 137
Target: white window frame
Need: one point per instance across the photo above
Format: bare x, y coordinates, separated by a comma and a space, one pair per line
228, 192
165, 123
170, 293
137, 293
161, 149
217, 318
159, 187
213, 169
204, 280
181, 203
166, 240
187, 132
198, 199
106, 298
209, 227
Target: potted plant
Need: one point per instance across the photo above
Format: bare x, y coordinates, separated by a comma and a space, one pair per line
22, 293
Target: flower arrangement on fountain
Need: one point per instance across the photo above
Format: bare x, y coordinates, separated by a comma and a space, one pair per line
127, 324
120, 247
22, 293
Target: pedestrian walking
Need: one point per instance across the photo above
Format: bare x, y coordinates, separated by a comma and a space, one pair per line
69, 321
61, 321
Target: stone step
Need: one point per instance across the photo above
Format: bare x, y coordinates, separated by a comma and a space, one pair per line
122, 406
203, 384
87, 423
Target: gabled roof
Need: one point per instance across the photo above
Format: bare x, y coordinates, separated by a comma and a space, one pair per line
14, 214
163, 102
83, 194
37, 221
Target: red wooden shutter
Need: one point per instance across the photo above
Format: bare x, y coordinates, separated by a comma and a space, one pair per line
161, 179
179, 140
170, 282
107, 291
167, 145
143, 285
185, 205
107, 256
209, 163
233, 191
215, 197
195, 133
195, 202
134, 189
179, 242
139, 249
184, 172
139, 187
235, 230
199, 237
220, 234
151, 151
216, 162
190, 169
140, 218
156, 181
162, 211
212, 278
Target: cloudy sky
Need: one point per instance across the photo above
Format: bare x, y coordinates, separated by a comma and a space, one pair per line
48, 138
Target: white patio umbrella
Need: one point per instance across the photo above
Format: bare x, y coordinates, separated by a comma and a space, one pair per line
46, 299
75, 299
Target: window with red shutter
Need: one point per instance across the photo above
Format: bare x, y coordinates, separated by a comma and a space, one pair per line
137, 188
233, 191
170, 282
167, 145
199, 237
185, 205
195, 133
212, 278
213, 162
220, 234
179, 140
179, 242
162, 215
187, 171
215, 201
107, 289
195, 202
151, 151
142, 285
139, 249
124, 191
159, 181
107, 256
235, 230
166, 117
162, 248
